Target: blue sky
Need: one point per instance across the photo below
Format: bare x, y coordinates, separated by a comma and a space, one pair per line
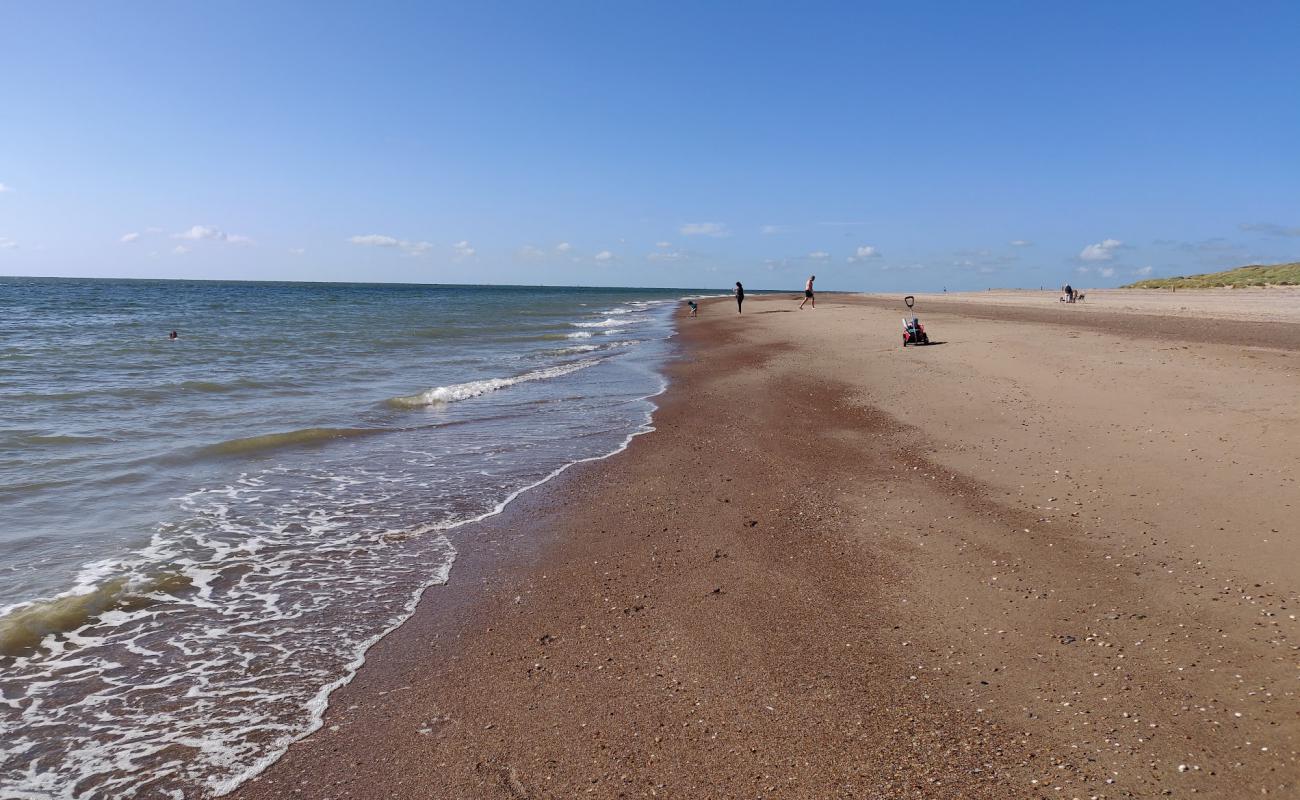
883, 146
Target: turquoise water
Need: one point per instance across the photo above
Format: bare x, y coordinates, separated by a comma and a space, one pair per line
201, 536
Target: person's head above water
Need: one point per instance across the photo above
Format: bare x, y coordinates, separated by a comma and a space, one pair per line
173, 335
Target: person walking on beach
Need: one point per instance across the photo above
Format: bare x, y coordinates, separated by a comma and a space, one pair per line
740, 298
693, 307
808, 292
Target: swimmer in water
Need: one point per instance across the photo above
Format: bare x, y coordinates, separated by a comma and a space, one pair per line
173, 335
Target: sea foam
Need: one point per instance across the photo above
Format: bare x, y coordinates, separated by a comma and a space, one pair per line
464, 391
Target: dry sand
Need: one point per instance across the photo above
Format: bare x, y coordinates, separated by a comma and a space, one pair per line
1046, 558
1274, 304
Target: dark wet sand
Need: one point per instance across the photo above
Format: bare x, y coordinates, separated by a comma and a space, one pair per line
836, 570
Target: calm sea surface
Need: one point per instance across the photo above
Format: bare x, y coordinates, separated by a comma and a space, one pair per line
199, 538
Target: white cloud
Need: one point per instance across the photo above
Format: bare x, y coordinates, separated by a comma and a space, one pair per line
180, 250
7, 244
1019, 243
201, 232
666, 255
563, 247
705, 229
819, 255
4, 188
864, 252
605, 256
463, 250
1102, 251
1082, 270
379, 240
769, 230
297, 251
1144, 271
1106, 272
663, 245
127, 238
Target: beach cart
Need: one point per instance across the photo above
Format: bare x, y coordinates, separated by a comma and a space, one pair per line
913, 330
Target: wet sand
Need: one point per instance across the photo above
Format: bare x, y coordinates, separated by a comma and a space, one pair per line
1044, 558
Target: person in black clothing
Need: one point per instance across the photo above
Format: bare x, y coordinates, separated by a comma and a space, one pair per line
740, 298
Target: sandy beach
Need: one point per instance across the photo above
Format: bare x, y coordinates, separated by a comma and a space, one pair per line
1054, 555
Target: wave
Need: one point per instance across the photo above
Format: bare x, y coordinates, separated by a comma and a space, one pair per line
23, 627
578, 335
220, 388
607, 322
275, 441
59, 440
464, 391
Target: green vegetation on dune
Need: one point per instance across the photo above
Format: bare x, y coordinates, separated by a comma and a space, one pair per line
1255, 275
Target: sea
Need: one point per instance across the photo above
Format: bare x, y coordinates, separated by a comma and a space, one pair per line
201, 536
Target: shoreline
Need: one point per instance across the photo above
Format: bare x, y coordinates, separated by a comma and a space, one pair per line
629, 630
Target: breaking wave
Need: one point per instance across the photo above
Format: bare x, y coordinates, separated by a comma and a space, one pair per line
464, 391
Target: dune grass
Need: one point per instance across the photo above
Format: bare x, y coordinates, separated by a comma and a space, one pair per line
1254, 275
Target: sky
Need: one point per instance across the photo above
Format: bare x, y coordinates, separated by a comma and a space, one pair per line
904, 146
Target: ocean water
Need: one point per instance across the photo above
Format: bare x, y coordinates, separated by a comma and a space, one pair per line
199, 538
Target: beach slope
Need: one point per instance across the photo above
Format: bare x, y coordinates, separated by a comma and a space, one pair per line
1038, 559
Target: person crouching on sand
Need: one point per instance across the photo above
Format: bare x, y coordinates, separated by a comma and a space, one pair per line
808, 292
693, 307
740, 298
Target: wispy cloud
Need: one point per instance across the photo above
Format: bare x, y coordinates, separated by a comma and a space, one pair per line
769, 230
180, 250
530, 253
127, 238
819, 255
410, 248
863, 252
843, 224
1143, 272
1020, 243
666, 255
1101, 251
605, 256
563, 247
1106, 272
717, 229
463, 250
4, 188
297, 251
7, 244
663, 245
1269, 229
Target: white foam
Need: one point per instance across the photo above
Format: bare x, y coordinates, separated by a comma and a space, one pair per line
607, 322
464, 391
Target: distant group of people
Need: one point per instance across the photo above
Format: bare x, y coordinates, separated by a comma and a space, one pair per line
739, 294
1071, 294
